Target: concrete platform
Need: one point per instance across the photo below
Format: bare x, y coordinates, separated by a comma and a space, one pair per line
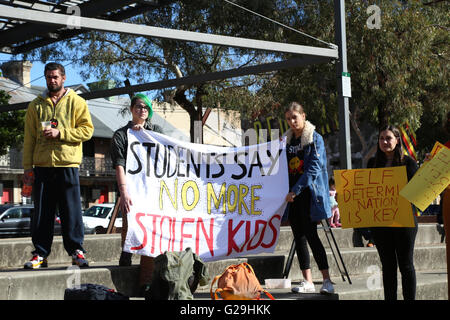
104, 250
362, 288
49, 284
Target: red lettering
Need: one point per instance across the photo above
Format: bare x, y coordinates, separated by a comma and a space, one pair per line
395, 213
355, 178
257, 224
209, 239
375, 215
154, 231
161, 229
184, 235
380, 191
231, 233
357, 216
275, 232
344, 178
441, 156
144, 241
388, 173
370, 180
248, 224
174, 220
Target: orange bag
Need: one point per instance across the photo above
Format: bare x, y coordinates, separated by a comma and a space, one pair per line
238, 282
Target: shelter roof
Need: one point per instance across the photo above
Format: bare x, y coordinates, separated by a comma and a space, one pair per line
20, 36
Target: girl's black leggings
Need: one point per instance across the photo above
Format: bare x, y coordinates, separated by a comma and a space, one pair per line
396, 249
305, 231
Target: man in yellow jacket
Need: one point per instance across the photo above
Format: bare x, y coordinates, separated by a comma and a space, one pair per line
51, 158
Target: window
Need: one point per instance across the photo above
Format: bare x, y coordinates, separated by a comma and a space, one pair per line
97, 212
14, 213
26, 212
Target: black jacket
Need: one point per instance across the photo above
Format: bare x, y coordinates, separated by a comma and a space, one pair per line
411, 166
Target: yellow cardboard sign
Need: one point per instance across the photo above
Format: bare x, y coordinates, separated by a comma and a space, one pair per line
371, 198
436, 148
429, 181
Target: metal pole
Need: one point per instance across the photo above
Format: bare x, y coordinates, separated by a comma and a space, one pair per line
61, 20
341, 72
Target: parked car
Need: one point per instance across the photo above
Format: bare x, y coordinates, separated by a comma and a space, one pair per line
4, 207
96, 218
15, 221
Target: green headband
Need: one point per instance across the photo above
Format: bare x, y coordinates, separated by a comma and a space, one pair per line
147, 101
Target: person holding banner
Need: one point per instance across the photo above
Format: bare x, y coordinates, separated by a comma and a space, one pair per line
309, 200
395, 245
141, 111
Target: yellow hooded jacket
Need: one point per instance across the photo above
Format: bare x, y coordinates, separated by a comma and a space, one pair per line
75, 126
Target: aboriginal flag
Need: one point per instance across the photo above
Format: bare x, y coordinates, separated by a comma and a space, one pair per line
409, 140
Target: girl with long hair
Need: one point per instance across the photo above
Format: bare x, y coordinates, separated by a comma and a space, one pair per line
395, 245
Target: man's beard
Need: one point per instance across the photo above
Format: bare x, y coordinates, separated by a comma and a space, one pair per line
54, 88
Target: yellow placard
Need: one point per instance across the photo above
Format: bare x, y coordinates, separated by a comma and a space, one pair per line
436, 148
371, 198
429, 181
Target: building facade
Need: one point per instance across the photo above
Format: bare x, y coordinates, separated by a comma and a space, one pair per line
97, 176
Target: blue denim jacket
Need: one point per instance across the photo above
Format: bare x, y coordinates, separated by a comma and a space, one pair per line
315, 176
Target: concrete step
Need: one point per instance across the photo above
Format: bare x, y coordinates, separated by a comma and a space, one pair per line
100, 247
104, 251
428, 233
106, 247
431, 285
49, 284
361, 261
358, 261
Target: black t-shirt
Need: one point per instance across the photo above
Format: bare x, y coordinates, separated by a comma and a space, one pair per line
295, 157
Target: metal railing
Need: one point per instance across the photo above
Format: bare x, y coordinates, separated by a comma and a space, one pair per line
96, 167
11, 160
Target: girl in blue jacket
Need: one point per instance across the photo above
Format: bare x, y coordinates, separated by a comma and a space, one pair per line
309, 194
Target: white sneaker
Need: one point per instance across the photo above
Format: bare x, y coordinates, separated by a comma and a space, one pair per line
36, 262
79, 259
304, 287
327, 287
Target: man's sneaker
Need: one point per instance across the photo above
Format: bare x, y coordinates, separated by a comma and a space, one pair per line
36, 262
304, 287
327, 287
78, 259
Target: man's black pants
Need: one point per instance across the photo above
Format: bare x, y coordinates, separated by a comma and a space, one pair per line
57, 188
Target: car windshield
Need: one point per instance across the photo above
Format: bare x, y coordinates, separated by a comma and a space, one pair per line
97, 212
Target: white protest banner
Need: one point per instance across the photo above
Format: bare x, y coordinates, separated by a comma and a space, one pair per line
221, 202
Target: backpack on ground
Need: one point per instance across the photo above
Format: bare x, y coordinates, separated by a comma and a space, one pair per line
89, 291
176, 276
238, 282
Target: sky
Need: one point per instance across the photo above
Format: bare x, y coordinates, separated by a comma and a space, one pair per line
37, 72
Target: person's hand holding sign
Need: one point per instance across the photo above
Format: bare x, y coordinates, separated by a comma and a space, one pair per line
290, 197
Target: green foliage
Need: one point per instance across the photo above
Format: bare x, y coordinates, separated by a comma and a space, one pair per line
142, 59
11, 126
398, 72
